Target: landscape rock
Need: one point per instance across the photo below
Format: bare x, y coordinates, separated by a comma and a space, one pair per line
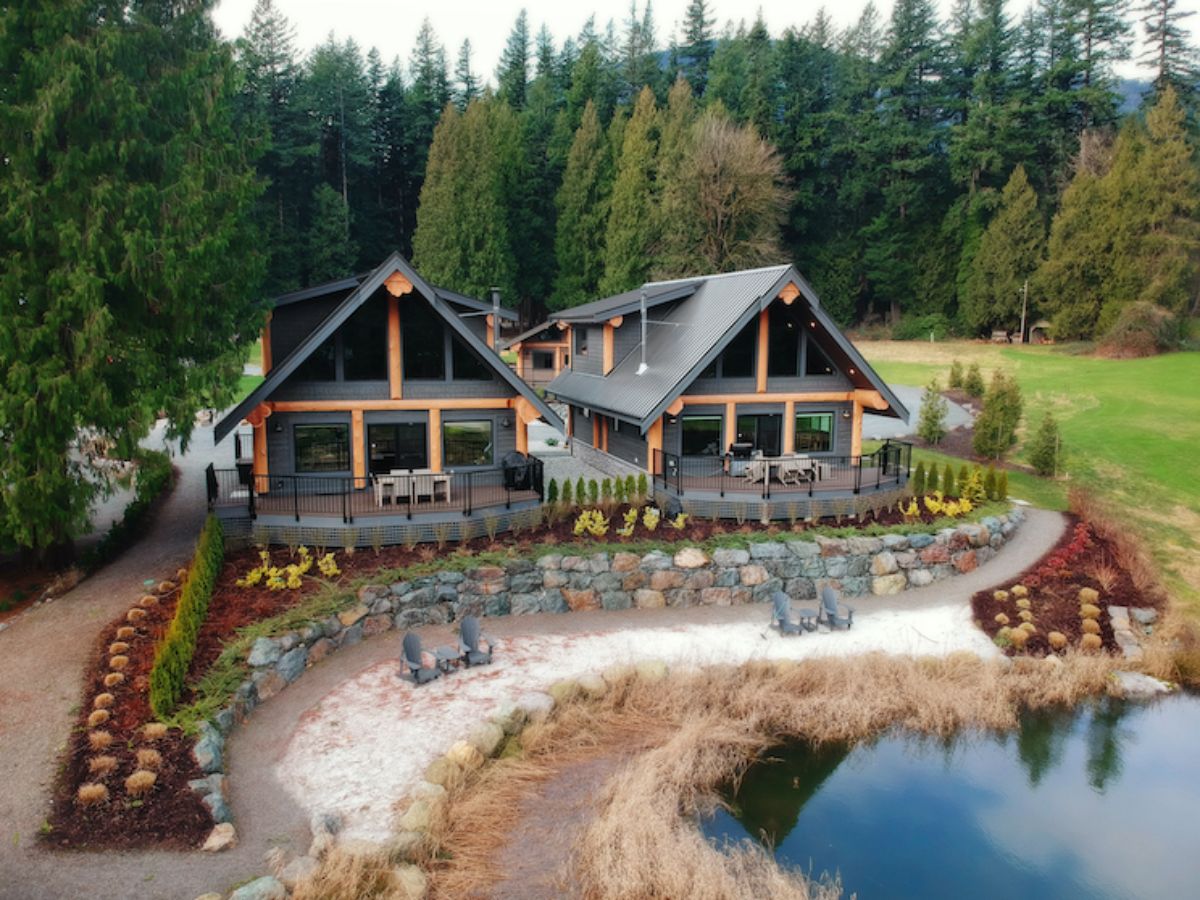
319, 650
487, 738
920, 577
266, 888
222, 837
593, 685
691, 558
217, 807
297, 870
207, 754
883, 563
726, 557
1144, 615
753, 574
410, 881
292, 663
768, 550
352, 615
581, 599
264, 652
268, 684
535, 704
417, 817
1136, 686
804, 549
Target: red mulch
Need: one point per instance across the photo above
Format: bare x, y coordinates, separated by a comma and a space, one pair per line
170, 815
1081, 559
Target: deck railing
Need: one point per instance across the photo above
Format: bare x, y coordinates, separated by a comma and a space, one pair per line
888, 466
339, 496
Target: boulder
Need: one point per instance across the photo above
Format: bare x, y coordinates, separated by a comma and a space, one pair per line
207, 753
804, 549
691, 558
266, 888
373, 625
264, 652
292, 663
217, 807
966, 561
920, 541
593, 686
417, 817
666, 579
726, 557
465, 756
716, 596
351, 636
269, 684
410, 882
883, 585
441, 771
1143, 615
920, 577
616, 600
487, 738
837, 566
299, 869
1136, 686
581, 599
535, 704
753, 574
864, 546
626, 562
767, 550
319, 650
352, 615
883, 563
222, 837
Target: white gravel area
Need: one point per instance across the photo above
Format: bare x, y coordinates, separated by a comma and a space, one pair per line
365, 746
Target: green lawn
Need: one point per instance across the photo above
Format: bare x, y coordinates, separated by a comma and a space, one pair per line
246, 383
255, 357
1131, 434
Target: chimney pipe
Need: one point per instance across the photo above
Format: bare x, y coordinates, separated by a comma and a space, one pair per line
496, 319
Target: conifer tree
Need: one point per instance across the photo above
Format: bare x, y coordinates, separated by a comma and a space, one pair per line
131, 265
582, 205
1009, 253
630, 231
931, 427
331, 251
467, 82
996, 425
1170, 57
1044, 447
948, 487
918, 480
512, 75
697, 48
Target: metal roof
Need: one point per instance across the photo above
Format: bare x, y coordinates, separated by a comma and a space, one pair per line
535, 330
619, 304
367, 287
472, 303
683, 340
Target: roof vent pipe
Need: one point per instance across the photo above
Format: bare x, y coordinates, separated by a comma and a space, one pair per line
641, 369
496, 318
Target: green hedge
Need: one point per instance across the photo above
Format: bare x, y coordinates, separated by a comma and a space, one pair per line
173, 655
153, 476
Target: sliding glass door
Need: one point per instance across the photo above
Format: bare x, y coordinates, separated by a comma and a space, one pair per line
397, 446
763, 432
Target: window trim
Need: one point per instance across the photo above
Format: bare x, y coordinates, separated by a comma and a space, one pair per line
345, 429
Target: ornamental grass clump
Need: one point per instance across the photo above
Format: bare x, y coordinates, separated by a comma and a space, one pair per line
99, 740
125, 633
136, 614
99, 766
1089, 626
1023, 603
1018, 637
103, 701
1057, 640
1020, 591
1087, 611
112, 679
148, 758
1000, 596
154, 731
1025, 615
148, 601
140, 782
116, 648
98, 717
1002, 619
91, 794
1091, 642
1088, 596
117, 663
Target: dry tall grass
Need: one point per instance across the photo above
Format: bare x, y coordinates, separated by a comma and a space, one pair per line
687, 736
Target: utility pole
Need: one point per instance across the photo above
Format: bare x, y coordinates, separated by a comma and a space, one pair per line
1024, 307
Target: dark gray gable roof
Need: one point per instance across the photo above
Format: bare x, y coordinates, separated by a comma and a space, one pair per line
472, 303
343, 311
628, 302
320, 290
526, 335
689, 337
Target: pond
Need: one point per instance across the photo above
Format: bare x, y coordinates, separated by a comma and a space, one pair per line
1098, 802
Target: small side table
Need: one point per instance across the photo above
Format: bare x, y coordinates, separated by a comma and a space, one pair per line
447, 658
807, 617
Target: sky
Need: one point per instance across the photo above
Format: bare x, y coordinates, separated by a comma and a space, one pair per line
392, 25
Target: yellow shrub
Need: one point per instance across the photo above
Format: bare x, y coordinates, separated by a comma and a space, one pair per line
1025, 615
140, 782
103, 701
1088, 611
112, 679
1057, 639
1088, 595
118, 662
91, 794
99, 740
1091, 642
1027, 627
1002, 619
650, 517
1090, 626
1023, 603
1019, 638
1000, 596
593, 522
1019, 590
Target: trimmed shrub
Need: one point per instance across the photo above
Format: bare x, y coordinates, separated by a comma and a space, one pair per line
1091, 642
1088, 611
948, 486
956, 374
1089, 595
580, 491
1019, 590
973, 381
173, 655
996, 425
619, 492
552, 491
606, 490
989, 483
918, 480
91, 794
1002, 485
643, 488
1002, 619
1090, 626
567, 499
140, 782
593, 491
631, 488
1019, 638
1057, 639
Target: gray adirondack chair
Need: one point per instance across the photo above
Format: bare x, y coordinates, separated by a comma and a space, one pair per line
469, 636
782, 614
412, 658
835, 613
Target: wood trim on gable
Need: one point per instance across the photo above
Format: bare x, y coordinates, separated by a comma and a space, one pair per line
395, 372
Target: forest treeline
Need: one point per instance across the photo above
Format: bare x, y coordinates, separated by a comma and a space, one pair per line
933, 173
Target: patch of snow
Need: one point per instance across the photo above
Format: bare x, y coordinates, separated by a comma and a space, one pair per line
361, 750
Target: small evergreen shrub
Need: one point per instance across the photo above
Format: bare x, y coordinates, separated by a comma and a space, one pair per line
973, 381
173, 655
1002, 485
631, 488
918, 480
955, 379
996, 425
606, 490
1044, 447
931, 425
643, 489
552, 491
989, 483
948, 486
593, 491
580, 491
567, 499
619, 492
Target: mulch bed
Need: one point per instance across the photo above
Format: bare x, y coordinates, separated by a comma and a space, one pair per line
170, 815
1082, 558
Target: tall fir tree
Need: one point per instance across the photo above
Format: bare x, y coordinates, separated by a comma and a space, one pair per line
1169, 54
512, 75
332, 253
697, 47
582, 205
1009, 253
466, 82
131, 266
630, 232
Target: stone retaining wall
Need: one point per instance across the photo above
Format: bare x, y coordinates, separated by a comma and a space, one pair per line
566, 582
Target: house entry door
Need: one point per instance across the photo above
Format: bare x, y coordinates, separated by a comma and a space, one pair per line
397, 446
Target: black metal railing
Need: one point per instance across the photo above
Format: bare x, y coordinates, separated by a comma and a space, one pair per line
400, 492
888, 466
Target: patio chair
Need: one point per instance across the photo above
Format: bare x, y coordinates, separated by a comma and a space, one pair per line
421, 666
835, 613
782, 614
469, 640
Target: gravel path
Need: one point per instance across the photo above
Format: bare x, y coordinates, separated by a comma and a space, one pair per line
37, 700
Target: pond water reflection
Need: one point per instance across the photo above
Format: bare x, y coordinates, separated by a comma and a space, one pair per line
1101, 801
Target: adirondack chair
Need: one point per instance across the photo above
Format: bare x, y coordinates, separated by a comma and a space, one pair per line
835, 613
416, 662
781, 616
469, 640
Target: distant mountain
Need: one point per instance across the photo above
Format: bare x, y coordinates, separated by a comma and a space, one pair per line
1130, 90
